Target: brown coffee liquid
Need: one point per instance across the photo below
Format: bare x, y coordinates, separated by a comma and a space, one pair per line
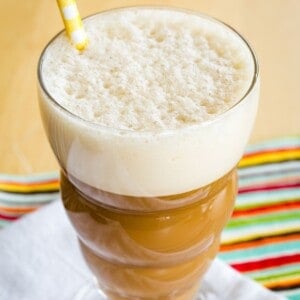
151, 254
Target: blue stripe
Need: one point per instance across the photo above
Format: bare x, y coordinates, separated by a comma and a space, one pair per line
3, 223
30, 177
261, 252
270, 168
295, 296
266, 179
261, 198
289, 141
16, 199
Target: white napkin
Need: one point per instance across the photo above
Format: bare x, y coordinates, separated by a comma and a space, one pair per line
40, 260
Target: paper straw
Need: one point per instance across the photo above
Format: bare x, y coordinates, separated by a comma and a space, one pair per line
73, 23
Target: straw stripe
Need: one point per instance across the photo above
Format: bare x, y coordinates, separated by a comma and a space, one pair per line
78, 35
73, 23
70, 12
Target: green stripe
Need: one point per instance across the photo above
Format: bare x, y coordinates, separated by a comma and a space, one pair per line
16, 199
291, 274
283, 277
269, 229
274, 271
262, 219
261, 251
3, 223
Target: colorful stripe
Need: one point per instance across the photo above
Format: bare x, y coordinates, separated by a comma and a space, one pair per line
262, 239
20, 195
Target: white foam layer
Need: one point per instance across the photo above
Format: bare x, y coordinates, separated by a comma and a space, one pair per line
160, 75
149, 69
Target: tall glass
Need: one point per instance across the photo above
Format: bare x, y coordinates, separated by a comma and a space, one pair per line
140, 240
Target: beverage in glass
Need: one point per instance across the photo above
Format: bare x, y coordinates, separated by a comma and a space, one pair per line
148, 125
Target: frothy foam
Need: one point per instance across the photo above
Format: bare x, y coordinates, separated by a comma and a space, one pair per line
149, 69
161, 74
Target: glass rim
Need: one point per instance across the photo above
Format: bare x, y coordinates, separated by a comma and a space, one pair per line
98, 126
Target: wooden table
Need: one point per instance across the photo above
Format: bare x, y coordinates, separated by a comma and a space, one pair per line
272, 26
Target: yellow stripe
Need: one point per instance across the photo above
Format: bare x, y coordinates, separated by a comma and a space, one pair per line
74, 24
29, 188
82, 45
250, 237
63, 3
281, 282
269, 158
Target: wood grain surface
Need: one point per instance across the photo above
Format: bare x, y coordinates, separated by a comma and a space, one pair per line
271, 26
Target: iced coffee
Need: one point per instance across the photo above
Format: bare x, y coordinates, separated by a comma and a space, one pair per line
148, 125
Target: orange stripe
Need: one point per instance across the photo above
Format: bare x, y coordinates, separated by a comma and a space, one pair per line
29, 188
256, 243
282, 283
269, 158
13, 214
266, 209
18, 210
282, 150
12, 182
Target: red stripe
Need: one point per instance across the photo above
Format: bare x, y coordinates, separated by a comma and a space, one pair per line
267, 209
267, 263
277, 150
55, 181
9, 218
268, 187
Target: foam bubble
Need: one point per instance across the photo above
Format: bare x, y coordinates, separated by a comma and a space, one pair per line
160, 74
149, 69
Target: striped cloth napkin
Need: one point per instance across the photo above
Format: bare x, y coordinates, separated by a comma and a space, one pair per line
262, 240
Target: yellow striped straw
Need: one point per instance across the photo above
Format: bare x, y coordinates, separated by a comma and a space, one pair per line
73, 23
